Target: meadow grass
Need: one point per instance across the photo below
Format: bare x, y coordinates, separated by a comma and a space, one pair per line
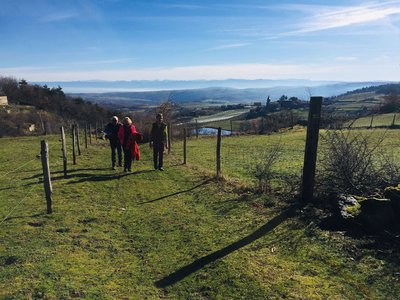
178, 234
378, 121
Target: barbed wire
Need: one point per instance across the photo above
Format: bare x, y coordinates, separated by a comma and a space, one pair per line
18, 204
26, 163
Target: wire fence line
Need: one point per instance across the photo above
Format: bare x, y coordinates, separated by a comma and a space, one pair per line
37, 157
17, 181
239, 153
27, 195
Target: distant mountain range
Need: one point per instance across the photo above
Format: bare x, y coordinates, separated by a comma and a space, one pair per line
144, 93
99, 86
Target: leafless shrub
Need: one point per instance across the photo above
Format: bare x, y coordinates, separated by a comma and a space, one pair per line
355, 163
262, 167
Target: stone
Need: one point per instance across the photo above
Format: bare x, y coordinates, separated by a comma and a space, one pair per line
393, 193
377, 213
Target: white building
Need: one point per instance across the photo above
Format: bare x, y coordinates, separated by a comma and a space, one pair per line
3, 98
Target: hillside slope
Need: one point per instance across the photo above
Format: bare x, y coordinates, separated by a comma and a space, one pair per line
173, 234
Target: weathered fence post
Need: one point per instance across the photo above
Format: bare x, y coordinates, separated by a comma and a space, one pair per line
394, 120
73, 145
219, 153
169, 137
262, 125
291, 119
184, 146
95, 131
44, 153
64, 151
310, 154
45, 127
197, 129
90, 134
77, 138
86, 140
372, 120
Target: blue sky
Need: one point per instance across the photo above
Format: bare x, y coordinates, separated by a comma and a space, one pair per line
67, 40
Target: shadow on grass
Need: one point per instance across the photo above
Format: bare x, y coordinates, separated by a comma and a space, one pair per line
177, 193
205, 260
23, 217
68, 172
6, 188
95, 178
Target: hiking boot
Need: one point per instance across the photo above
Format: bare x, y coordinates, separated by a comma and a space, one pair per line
161, 168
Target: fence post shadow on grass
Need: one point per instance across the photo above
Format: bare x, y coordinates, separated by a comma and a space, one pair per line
205, 260
179, 192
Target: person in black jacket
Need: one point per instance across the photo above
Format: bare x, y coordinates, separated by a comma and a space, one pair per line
158, 141
111, 131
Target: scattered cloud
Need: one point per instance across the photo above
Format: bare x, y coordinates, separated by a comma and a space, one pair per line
322, 19
340, 71
214, 72
229, 46
106, 61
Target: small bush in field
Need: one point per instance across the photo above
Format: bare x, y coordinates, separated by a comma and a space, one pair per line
262, 167
355, 164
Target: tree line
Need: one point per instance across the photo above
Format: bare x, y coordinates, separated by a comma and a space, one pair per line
45, 108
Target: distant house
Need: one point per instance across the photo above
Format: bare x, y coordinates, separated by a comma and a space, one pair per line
3, 98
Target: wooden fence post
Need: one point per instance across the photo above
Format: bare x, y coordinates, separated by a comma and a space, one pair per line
184, 146
169, 137
90, 134
86, 139
197, 129
291, 119
64, 151
372, 120
46, 174
77, 138
310, 154
219, 153
262, 125
394, 120
73, 145
95, 131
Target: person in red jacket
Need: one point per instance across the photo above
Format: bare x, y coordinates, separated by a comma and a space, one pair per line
129, 137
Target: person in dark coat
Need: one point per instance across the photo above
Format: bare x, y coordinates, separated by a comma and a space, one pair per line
129, 137
158, 141
111, 131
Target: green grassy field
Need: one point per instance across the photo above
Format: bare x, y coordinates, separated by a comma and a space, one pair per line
178, 234
378, 121
355, 102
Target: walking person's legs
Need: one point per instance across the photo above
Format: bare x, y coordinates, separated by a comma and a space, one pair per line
161, 158
119, 152
129, 162
127, 159
155, 155
113, 147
